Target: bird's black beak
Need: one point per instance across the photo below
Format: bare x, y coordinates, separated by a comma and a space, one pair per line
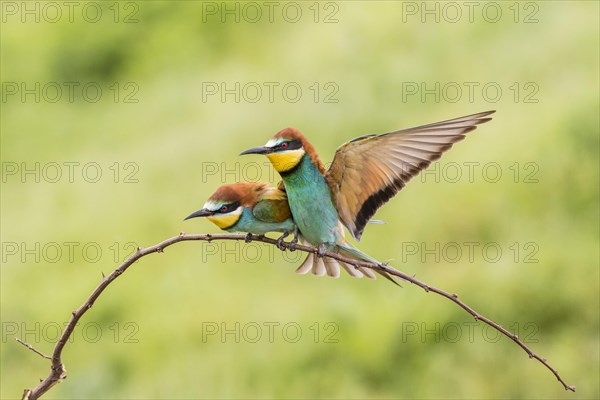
257, 150
200, 213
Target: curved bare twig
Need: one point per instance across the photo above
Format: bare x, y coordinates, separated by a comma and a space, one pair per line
58, 371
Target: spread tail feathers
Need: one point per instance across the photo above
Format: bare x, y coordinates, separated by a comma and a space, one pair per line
329, 266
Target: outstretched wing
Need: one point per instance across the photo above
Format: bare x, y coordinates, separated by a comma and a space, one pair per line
273, 207
369, 170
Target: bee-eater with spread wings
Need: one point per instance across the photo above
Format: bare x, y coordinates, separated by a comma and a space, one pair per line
256, 207
365, 173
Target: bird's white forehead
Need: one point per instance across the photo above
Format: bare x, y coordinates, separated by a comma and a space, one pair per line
211, 205
273, 142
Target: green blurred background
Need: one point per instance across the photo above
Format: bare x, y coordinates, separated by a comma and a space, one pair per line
163, 142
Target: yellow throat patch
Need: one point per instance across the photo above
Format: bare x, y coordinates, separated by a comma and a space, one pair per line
225, 221
286, 160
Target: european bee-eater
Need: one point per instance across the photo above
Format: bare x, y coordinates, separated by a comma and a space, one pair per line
256, 207
253, 207
365, 173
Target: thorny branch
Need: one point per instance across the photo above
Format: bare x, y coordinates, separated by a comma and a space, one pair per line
58, 371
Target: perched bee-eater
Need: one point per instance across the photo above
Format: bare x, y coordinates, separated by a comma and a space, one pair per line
256, 207
253, 207
365, 173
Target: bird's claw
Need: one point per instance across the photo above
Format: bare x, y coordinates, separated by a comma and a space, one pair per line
293, 244
279, 241
248, 238
279, 244
321, 250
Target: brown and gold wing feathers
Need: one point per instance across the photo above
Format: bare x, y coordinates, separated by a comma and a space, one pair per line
369, 170
273, 205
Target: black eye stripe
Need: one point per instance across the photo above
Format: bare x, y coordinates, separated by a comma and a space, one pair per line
291, 145
228, 207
